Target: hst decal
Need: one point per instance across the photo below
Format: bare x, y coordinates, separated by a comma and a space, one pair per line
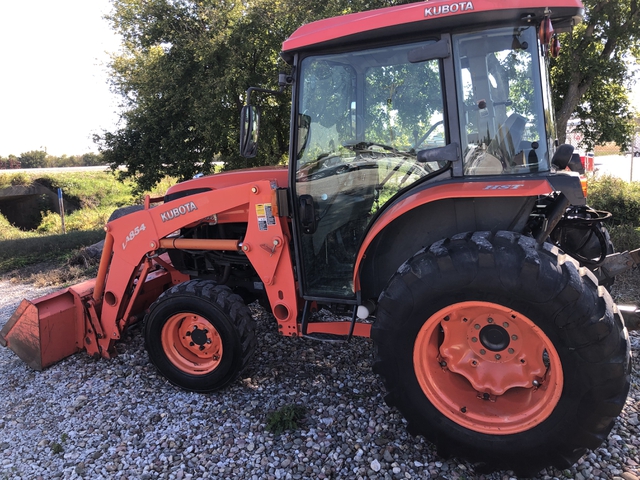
503, 186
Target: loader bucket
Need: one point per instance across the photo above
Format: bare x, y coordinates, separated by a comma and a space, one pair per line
46, 330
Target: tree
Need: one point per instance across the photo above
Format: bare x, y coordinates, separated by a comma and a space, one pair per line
33, 159
185, 66
590, 75
183, 72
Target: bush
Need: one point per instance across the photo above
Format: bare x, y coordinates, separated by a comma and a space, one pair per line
625, 237
84, 219
14, 179
620, 198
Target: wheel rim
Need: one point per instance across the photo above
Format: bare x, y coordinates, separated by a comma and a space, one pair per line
191, 343
488, 368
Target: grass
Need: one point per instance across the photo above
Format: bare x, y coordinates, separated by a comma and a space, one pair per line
60, 257
286, 418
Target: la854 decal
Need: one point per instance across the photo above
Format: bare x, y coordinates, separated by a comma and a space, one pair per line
133, 234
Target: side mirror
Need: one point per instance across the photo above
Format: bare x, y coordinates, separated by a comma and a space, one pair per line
249, 128
562, 157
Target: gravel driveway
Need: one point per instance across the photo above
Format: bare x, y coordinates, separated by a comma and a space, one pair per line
85, 418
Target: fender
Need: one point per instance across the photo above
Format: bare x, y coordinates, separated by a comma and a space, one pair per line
429, 209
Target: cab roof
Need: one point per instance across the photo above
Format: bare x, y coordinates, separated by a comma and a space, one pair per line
429, 16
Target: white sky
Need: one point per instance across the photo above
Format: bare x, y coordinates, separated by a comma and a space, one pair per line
53, 83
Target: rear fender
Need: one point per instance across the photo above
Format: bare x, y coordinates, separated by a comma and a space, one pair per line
438, 211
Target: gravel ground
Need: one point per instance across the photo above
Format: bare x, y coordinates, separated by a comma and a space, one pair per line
92, 419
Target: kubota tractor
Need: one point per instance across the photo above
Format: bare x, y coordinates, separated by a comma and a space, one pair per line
427, 198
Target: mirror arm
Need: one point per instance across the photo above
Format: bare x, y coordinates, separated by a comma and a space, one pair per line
283, 81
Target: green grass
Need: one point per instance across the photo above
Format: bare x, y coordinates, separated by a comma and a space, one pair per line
21, 252
97, 194
286, 418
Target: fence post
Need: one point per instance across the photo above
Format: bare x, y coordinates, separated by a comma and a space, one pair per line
61, 206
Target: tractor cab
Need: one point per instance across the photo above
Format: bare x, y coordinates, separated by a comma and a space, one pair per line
387, 103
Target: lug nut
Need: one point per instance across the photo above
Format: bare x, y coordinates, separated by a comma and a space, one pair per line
191, 344
511, 350
505, 325
474, 339
498, 357
490, 320
483, 351
514, 337
443, 364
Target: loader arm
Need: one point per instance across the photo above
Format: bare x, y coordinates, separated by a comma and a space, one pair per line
133, 272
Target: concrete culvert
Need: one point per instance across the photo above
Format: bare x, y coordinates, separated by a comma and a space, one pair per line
22, 205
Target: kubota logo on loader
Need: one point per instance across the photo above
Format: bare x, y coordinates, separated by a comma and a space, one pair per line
449, 8
178, 211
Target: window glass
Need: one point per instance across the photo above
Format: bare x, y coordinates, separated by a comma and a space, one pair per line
502, 121
363, 116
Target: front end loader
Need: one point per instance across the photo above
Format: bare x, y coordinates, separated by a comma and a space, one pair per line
427, 202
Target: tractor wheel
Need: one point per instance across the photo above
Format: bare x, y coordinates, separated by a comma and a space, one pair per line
200, 335
502, 352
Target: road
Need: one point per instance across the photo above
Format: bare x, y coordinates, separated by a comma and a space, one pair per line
622, 166
101, 168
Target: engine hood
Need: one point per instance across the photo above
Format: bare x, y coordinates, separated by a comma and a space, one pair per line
228, 179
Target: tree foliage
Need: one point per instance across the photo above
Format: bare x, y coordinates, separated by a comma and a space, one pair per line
183, 71
590, 76
33, 159
185, 65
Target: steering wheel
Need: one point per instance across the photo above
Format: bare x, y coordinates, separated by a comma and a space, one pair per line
426, 135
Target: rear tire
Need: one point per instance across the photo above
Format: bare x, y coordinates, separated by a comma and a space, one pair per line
200, 335
502, 352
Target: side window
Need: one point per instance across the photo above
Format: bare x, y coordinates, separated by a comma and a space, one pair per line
404, 105
502, 120
328, 102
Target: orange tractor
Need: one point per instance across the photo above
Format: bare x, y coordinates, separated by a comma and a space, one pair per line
427, 200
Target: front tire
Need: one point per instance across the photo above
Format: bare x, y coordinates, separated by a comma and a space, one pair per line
502, 352
200, 335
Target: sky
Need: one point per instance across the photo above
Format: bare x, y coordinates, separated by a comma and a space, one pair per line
54, 93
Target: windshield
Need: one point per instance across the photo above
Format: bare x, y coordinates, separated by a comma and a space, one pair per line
502, 122
372, 96
363, 116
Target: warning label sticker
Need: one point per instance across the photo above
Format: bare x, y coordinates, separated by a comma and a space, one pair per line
265, 216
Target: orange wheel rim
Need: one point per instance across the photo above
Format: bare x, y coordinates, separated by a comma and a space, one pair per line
488, 368
191, 343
